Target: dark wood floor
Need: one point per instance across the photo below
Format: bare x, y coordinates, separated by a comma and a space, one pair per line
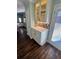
28, 49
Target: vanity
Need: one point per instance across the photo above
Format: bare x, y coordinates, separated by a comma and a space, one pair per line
39, 29
39, 34
37, 26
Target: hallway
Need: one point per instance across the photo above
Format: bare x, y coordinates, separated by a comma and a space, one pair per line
29, 49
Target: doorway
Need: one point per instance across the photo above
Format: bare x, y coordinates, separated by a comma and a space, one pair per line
54, 37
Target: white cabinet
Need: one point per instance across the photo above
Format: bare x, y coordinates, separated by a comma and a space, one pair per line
39, 34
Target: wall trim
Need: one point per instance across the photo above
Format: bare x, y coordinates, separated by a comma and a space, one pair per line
48, 41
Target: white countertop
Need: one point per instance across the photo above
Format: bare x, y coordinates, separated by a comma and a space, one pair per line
38, 28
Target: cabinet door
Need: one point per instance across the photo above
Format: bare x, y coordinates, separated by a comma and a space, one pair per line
38, 37
33, 33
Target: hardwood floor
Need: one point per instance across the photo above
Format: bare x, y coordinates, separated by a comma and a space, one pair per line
28, 49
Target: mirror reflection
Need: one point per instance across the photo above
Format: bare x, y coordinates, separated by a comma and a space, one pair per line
40, 13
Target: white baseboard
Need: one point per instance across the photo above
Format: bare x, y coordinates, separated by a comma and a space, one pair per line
50, 42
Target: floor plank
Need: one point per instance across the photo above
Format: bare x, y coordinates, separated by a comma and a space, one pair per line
28, 49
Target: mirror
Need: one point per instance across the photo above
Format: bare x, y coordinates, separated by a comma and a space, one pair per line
40, 13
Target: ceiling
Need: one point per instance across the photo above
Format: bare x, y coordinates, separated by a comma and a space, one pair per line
21, 4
